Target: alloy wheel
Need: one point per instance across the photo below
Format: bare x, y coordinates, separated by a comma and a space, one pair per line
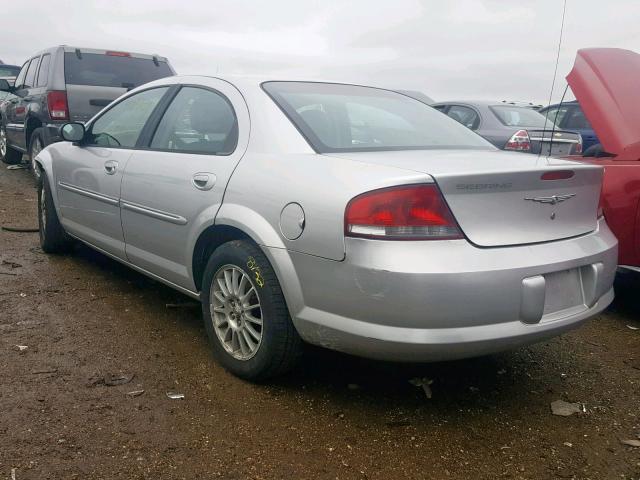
3, 143
236, 312
43, 210
36, 148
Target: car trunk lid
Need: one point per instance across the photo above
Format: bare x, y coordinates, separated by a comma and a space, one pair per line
605, 83
501, 198
554, 142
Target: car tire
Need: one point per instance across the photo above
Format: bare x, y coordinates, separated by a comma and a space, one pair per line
36, 144
228, 319
7, 154
53, 238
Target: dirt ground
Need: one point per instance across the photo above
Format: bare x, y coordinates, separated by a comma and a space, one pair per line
84, 317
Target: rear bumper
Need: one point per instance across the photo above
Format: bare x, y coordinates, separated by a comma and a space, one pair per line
437, 344
429, 301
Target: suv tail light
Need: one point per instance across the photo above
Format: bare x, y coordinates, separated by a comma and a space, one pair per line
411, 212
118, 54
57, 103
519, 141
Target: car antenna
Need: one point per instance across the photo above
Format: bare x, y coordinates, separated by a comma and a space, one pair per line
553, 83
78, 54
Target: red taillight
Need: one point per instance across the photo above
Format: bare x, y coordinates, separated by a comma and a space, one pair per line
412, 212
519, 141
57, 103
558, 175
577, 148
118, 54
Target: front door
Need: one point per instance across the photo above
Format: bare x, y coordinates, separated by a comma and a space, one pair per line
175, 186
89, 176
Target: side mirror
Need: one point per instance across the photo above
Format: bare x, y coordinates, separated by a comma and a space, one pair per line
5, 86
73, 132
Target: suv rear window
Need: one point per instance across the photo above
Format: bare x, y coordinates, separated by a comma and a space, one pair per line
112, 71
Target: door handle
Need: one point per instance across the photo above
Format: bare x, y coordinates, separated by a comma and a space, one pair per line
203, 181
111, 167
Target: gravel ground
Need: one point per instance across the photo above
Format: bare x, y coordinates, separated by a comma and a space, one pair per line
88, 322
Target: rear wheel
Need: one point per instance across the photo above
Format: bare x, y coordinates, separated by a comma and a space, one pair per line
53, 238
245, 314
35, 147
7, 154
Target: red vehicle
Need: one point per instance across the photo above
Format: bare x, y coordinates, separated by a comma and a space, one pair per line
605, 82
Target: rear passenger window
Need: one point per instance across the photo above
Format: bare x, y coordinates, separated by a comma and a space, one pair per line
30, 79
198, 121
464, 115
43, 73
121, 125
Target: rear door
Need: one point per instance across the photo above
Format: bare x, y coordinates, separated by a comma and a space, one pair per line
18, 106
175, 187
467, 116
10, 106
88, 177
95, 78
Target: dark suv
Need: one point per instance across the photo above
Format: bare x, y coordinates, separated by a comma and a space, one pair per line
63, 84
569, 116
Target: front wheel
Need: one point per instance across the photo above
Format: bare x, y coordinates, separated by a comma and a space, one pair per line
53, 238
245, 314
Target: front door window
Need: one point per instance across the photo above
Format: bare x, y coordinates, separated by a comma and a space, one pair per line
121, 125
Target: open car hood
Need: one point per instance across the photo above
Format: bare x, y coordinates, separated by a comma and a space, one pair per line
605, 82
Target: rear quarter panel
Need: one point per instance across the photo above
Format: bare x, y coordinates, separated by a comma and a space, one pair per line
263, 184
280, 167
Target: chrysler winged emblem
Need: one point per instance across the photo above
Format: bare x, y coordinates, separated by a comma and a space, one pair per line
553, 199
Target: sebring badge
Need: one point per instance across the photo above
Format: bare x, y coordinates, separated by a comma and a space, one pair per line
553, 199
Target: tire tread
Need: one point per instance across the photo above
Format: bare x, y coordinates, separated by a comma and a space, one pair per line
54, 239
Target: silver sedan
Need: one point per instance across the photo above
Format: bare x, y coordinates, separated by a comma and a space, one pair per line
350, 217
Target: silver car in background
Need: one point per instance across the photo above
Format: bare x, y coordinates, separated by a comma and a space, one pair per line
350, 217
513, 126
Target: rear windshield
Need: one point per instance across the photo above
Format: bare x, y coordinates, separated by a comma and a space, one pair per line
9, 71
520, 116
112, 71
349, 118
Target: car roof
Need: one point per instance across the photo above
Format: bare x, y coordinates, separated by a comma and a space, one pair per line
483, 103
568, 102
256, 80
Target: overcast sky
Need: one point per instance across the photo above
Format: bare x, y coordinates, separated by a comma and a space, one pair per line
485, 49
